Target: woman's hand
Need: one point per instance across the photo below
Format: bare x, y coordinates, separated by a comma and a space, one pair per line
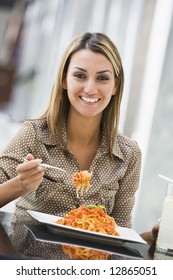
152, 248
30, 173
151, 237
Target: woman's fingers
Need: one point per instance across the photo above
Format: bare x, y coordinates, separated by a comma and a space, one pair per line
29, 157
31, 184
30, 173
155, 230
30, 166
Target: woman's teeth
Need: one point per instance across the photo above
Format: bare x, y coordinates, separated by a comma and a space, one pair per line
90, 100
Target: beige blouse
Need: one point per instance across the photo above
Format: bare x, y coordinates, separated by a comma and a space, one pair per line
113, 183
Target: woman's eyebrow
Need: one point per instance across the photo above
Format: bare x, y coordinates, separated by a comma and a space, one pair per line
99, 72
103, 71
79, 68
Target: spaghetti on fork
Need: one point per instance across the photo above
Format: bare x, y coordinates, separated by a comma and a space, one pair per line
82, 182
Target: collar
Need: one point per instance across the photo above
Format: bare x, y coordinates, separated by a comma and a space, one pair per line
116, 147
44, 135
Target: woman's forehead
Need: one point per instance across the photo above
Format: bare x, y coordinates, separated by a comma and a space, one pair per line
87, 58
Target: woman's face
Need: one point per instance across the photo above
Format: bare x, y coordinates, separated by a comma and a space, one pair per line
90, 83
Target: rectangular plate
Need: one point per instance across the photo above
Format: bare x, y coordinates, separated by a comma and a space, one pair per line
126, 234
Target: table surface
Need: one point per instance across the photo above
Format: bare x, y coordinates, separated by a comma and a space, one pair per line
7, 251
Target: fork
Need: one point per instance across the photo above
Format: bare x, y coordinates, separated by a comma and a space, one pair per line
53, 167
50, 166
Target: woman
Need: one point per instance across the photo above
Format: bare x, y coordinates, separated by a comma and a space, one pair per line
77, 131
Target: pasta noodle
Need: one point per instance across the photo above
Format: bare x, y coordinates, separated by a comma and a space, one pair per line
93, 219
82, 182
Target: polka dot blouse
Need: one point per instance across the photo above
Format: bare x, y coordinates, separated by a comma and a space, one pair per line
113, 184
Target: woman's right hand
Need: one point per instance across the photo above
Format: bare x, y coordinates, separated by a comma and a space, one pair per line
30, 173
152, 248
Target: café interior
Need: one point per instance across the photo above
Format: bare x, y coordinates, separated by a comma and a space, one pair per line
33, 36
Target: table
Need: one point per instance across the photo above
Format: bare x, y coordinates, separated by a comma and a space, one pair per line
7, 251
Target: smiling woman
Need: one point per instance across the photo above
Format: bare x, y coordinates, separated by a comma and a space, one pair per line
91, 83
78, 131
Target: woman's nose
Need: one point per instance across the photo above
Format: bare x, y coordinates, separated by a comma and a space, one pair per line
90, 87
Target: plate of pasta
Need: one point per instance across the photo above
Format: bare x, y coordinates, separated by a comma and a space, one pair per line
110, 233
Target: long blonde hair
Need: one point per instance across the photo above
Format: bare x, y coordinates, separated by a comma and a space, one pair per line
59, 103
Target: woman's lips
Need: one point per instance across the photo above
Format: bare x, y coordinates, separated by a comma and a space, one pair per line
89, 100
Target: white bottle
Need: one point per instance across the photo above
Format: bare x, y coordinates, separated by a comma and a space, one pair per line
164, 242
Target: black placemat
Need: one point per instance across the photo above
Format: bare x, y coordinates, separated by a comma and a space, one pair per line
126, 249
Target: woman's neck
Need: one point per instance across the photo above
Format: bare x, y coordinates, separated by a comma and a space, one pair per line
83, 137
85, 131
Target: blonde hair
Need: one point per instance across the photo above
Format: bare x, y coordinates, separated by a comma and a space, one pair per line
59, 103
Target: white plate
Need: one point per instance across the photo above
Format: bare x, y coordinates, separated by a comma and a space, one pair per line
126, 234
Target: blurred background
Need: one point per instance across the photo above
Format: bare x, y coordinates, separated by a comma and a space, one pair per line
35, 33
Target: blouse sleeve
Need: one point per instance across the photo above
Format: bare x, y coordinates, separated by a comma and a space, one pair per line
13, 154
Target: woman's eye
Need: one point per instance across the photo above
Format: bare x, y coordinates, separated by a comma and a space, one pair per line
103, 78
79, 75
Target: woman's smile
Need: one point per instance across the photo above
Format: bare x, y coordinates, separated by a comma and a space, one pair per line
89, 99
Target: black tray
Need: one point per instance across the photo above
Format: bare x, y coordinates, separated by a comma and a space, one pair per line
129, 250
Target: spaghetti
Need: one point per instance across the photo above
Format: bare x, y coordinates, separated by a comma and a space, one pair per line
82, 182
93, 219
